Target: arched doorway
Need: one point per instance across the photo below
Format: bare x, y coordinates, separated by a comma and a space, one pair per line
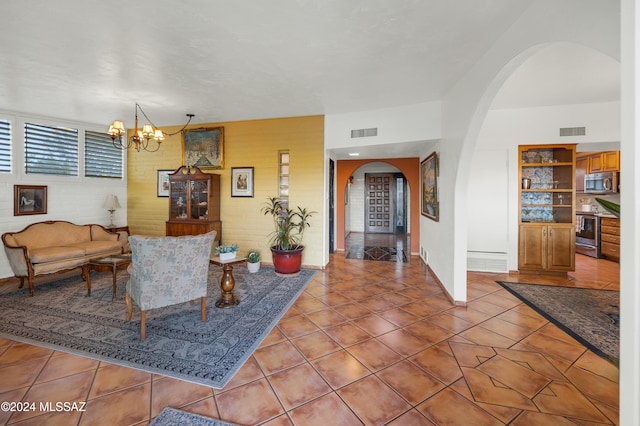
407, 167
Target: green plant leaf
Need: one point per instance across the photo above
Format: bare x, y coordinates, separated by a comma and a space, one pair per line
610, 206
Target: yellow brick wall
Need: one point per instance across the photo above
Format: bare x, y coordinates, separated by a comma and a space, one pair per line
253, 143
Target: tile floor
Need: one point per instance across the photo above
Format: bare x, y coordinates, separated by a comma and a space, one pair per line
368, 342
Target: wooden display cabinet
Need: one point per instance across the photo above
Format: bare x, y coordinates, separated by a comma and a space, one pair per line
194, 203
547, 208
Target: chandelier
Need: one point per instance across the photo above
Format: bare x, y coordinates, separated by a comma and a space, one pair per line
141, 137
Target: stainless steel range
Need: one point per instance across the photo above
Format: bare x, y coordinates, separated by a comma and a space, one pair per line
588, 234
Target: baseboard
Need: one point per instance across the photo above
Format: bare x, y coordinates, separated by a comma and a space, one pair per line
444, 289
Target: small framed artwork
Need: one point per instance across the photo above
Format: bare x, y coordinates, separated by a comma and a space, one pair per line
242, 181
163, 182
203, 148
29, 199
429, 180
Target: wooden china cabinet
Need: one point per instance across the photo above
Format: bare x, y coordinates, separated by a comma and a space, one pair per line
194, 203
547, 236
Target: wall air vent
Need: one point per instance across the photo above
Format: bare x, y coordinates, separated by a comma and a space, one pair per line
364, 133
573, 131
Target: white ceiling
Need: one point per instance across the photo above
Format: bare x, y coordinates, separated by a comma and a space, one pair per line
91, 60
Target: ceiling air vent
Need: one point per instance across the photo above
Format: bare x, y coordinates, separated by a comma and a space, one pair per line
364, 133
573, 131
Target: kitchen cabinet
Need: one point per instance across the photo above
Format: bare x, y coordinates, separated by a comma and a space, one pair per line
547, 208
582, 168
547, 247
610, 238
194, 203
604, 162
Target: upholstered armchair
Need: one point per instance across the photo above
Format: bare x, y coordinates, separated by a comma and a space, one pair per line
167, 271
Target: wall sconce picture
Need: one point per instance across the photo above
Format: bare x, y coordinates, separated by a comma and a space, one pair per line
29, 199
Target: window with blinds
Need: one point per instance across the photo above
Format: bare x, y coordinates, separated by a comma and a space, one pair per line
5, 146
284, 178
101, 157
50, 150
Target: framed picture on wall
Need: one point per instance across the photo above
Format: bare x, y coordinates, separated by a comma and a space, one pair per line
242, 181
203, 148
163, 182
429, 183
29, 199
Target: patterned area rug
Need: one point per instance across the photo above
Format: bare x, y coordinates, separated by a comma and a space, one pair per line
172, 417
60, 316
390, 254
590, 316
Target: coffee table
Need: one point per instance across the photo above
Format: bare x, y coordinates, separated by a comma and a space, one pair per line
227, 283
111, 264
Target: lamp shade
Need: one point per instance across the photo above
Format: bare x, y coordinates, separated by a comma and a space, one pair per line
111, 202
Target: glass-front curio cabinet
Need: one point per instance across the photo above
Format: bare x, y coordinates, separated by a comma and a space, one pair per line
194, 203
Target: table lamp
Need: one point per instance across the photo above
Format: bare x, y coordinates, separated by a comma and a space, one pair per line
111, 204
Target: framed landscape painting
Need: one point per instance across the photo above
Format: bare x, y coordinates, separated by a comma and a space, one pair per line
203, 148
429, 181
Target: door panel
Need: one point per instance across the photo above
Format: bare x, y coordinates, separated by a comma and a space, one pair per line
379, 207
533, 246
562, 239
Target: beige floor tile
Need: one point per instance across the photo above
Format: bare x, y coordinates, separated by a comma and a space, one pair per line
411, 382
327, 410
128, 406
278, 357
298, 385
248, 404
373, 401
340, 369
374, 354
449, 407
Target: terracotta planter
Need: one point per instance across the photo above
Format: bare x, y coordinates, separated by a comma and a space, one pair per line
287, 261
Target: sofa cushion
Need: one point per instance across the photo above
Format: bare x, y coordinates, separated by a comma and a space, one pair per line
91, 248
53, 254
50, 267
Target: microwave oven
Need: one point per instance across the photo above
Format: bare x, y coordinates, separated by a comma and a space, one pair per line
602, 183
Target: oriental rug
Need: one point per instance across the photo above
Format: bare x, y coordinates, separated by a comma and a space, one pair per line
60, 316
172, 417
590, 316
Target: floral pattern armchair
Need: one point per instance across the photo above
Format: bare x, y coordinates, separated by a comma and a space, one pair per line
167, 271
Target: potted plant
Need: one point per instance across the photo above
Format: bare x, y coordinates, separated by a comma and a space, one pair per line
227, 251
254, 261
286, 239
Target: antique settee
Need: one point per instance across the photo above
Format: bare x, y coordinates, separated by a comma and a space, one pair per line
167, 271
55, 246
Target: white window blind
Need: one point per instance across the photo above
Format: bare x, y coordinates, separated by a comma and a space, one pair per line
101, 157
5, 146
284, 178
50, 150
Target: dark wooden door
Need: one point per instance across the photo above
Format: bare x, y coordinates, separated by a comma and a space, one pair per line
379, 196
